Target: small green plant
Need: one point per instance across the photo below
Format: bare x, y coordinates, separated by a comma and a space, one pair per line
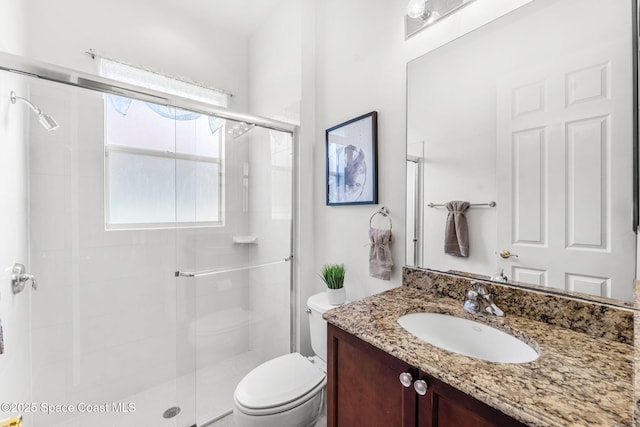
333, 275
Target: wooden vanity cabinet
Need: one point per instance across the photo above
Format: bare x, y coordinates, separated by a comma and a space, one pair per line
364, 389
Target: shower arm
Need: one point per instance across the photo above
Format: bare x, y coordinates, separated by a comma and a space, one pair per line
48, 122
15, 98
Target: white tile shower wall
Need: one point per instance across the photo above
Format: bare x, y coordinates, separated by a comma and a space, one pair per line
113, 265
109, 318
14, 309
271, 223
270, 323
91, 284
205, 303
275, 91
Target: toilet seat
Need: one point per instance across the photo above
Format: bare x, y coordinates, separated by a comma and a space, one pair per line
279, 384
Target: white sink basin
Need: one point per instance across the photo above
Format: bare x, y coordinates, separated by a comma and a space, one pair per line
468, 337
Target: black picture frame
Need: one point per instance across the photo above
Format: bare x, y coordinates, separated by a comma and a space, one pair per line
351, 153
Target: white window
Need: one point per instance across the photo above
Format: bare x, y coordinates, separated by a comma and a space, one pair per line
164, 166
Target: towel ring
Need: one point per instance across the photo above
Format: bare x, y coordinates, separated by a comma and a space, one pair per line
385, 213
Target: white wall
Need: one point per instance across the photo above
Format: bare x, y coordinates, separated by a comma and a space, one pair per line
275, 65
14, 309
157, 38
361, 66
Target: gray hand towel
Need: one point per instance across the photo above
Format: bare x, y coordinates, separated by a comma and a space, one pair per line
456, 233
380, 261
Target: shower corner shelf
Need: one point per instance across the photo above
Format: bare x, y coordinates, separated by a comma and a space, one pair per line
245, 240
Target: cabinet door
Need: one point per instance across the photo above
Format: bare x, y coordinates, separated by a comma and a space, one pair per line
445, 406
363, 385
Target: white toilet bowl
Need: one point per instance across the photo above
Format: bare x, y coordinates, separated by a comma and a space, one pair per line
287, 391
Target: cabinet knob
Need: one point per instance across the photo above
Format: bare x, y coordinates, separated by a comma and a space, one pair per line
421, 387
406, 379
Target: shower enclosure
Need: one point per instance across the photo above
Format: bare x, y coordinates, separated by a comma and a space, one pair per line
162, 251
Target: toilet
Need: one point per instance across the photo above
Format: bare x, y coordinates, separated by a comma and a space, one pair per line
287, 391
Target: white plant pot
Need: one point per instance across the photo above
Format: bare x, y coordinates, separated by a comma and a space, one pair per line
336, 296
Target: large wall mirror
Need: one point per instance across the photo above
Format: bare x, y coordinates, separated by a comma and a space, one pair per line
535, 112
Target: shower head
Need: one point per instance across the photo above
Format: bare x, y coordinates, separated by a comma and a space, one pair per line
48, 122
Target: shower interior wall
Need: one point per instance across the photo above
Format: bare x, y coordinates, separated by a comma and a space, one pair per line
14, 309
109, 319
274, 68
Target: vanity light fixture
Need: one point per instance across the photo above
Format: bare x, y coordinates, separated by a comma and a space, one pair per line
417, 9
422, 13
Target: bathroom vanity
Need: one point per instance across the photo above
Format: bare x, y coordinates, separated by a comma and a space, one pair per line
380, 374
365, 383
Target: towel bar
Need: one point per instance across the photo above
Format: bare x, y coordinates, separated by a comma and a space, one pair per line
490, 204
229, 269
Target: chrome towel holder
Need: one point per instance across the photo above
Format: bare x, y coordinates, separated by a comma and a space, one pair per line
384, 211
491, 204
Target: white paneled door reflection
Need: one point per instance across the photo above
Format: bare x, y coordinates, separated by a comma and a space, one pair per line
564, 208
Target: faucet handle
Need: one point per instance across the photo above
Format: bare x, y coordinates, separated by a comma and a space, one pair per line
472, 305
482, 291
495, 310
480, 288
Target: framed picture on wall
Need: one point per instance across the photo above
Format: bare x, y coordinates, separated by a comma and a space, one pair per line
352, 163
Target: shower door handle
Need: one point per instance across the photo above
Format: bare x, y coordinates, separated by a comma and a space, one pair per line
230, 268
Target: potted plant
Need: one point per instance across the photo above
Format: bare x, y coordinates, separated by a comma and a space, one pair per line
333, 277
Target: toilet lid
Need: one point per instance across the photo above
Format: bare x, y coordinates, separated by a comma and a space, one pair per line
278, 382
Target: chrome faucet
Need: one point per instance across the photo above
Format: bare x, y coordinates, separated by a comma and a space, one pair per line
499, 276
480, 301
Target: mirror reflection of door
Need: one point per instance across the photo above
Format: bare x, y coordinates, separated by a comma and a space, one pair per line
534, 111
564, 169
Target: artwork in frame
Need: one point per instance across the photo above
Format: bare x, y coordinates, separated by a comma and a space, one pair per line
352, 164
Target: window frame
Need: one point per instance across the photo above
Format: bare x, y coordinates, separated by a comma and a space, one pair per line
195, 92
109, 148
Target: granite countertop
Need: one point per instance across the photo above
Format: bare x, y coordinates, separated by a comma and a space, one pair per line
577, 380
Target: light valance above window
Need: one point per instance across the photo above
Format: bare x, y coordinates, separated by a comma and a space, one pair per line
161, 83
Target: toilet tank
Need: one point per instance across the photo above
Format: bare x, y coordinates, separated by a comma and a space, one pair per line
317, 305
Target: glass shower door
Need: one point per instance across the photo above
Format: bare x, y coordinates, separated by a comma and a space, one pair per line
234, 308
117, 338
104, 314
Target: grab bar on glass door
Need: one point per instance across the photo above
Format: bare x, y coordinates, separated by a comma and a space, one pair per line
230, 269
